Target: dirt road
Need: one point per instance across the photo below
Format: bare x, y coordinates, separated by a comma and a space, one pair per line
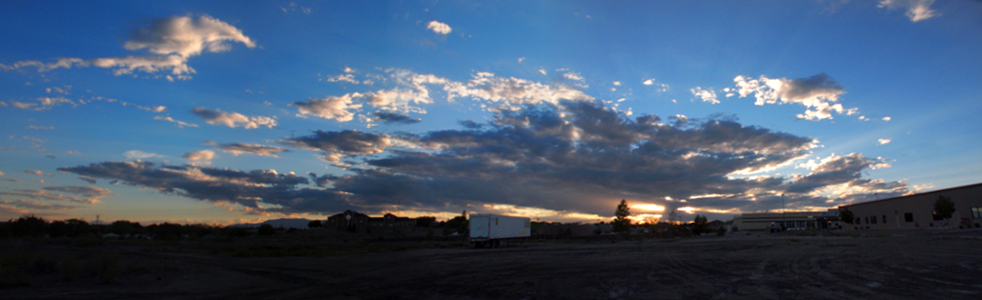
744, 267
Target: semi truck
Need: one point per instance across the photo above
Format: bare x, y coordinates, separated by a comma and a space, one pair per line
489, 230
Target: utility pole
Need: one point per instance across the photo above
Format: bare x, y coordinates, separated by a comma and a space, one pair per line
784, 218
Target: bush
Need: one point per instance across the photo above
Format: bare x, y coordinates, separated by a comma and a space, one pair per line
266, 229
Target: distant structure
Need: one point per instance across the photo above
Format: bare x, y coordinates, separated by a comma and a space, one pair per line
786, 221
917, 211
572, 230
914, 211
356, 222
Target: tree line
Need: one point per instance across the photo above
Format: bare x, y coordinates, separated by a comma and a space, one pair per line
36, 227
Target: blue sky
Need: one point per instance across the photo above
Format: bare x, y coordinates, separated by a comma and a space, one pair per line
218, 112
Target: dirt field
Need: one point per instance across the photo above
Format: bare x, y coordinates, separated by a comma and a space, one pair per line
918, 266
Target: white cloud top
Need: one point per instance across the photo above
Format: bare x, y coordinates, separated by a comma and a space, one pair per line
917, 10
233, 119
186, 37
438, 27
180, 124
817, 93
330, 107
137, 154
706, 95
199, 155
170, 42
883, 141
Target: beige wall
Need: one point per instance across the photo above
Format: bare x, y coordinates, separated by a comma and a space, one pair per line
920, 208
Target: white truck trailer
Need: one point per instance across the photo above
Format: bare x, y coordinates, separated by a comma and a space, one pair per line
491, 229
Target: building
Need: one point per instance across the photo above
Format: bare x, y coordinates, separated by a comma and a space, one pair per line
356, 222
390, 224
349, 221
788, 221
917, 210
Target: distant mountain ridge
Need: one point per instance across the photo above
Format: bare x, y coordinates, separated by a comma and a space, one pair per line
285, 223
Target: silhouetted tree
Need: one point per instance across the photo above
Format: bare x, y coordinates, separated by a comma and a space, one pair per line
315, 224
57, 229
943, 207
845, 215
621, 222
28, 226
122, 227
266, 229
458, 224
700, 225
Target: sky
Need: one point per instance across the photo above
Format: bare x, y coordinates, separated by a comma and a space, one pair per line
224, 112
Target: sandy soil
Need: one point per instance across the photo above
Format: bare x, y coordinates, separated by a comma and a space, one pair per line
735, 267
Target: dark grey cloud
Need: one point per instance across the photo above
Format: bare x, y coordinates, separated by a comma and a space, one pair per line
337, 144
321, 181
470, 124
837, 170
33, 205
395, 118
87, 179
573, 157
87, 191
261, 191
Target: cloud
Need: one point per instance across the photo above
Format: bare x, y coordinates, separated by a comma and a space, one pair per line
343, 78
137, 154
845, 171
257, 149
259, 191
917, 10
44, 103
321, 181
520, 59
706, 95
40, 127
661, 87
817, 93
42, 194
37, 172
180, 124
183, 36
887, 119
578, 157
199, 155
883, 141
438, 27
170, 42
512, 93
337, 108
233, 119
395, 118
28, 204
87, 179
87, 191
336, 144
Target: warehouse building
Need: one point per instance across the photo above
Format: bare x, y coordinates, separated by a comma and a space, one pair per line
798, 220
917, 210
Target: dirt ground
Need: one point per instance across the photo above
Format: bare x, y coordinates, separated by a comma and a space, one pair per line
878, 266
